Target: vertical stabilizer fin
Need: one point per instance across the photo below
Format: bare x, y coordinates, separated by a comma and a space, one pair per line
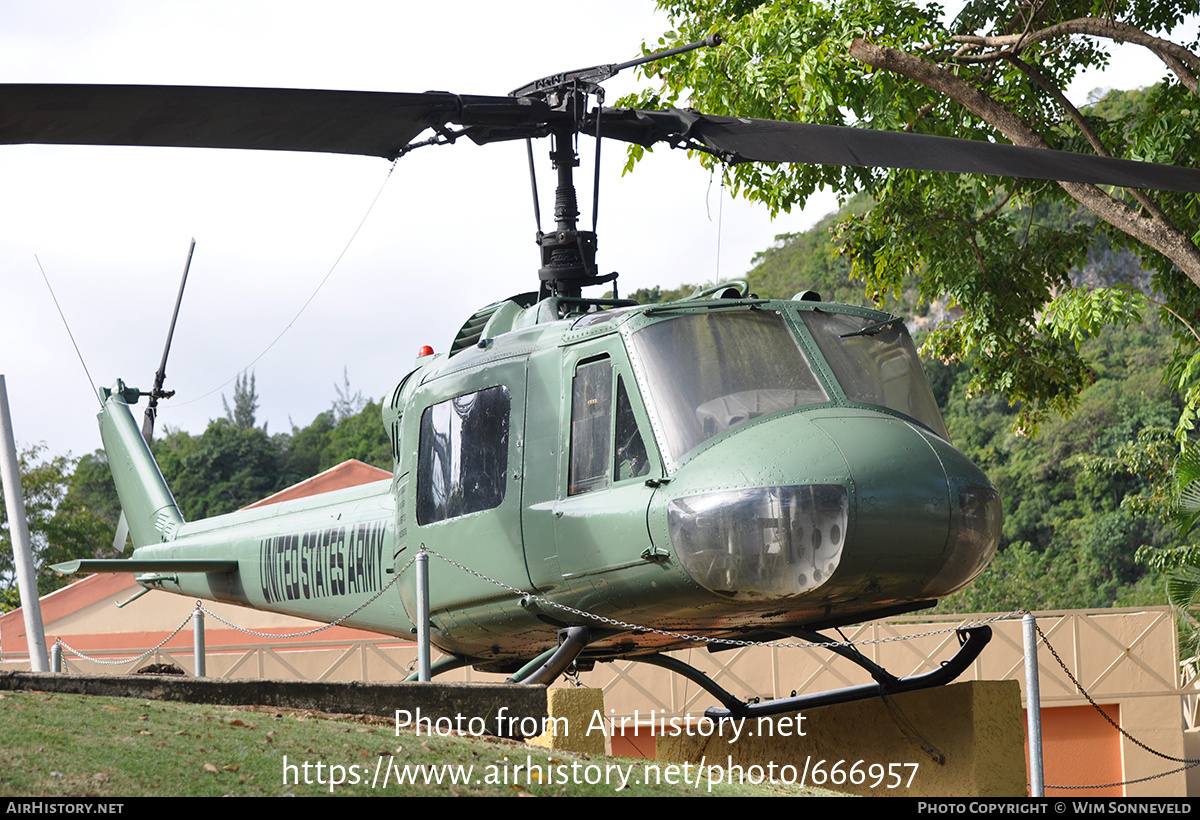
149, 506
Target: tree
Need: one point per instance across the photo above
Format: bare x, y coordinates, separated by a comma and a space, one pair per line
996, 72
92, 486
60, 526
362, 436
245, 403
223, 469
1177, 499
346, 404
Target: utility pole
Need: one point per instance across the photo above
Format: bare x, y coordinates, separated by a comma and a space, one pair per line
18, 530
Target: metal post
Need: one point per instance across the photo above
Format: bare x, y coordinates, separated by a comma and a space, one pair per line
422, 568
56, 657
198, 641
1033, 707
18, 528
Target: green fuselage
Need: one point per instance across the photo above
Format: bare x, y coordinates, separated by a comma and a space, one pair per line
736, 468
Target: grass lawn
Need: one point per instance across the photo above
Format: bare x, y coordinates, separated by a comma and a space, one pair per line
55, 745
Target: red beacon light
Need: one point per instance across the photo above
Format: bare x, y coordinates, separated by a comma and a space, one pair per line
425, 350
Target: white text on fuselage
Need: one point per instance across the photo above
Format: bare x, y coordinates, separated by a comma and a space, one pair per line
322, 563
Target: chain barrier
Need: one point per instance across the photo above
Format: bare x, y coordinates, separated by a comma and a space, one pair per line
146, 654
1190, 763
315, 630
708, 639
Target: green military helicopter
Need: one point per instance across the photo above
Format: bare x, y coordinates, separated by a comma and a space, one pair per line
620, 480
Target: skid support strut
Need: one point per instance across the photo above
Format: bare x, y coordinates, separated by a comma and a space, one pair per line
546, 668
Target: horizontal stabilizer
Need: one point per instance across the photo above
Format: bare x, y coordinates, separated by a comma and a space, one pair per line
159, 565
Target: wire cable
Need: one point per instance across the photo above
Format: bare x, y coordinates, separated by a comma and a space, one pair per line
91, 381
307, 302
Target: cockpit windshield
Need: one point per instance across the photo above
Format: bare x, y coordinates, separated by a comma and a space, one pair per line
710, 371
707, 372
875, 363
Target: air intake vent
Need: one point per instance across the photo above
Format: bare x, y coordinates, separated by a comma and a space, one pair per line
469, 335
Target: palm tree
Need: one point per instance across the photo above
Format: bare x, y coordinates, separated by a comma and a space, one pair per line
1183, 563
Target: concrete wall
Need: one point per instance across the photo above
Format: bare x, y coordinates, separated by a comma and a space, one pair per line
962, 740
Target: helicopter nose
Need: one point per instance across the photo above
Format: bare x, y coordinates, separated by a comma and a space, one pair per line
900, 485
850, 503
926, 519
762, 514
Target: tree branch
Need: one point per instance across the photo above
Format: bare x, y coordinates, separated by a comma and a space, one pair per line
1182, 321
1182, 62
1161, 235
1085, 128
999, 207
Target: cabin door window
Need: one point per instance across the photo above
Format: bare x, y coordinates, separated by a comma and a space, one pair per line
463, 459
591, 427
606, 444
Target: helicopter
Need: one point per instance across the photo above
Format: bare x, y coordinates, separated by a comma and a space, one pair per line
621, 480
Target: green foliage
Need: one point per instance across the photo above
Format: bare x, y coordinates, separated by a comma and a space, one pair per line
1000, 251
329, 441
656, 294
812, 260
1066, 492
61, 526
347, 403
1171, 492
1021, 577
245, 403
1185, 377
1079, 313
219, 471
229, 466
92, 485
307, 451
361, 436
1181, 563
1185, 502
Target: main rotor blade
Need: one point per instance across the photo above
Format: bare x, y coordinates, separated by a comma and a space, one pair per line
748, 140
378, 124
381, 124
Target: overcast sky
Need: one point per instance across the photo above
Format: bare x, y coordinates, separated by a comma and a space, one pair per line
452, 230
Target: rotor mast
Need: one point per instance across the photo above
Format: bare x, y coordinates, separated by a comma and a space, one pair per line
568, 255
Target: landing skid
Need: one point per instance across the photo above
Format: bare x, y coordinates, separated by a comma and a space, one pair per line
544, 669
972, 641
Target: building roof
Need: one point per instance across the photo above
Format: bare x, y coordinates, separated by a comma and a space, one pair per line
350, 473
84, 616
